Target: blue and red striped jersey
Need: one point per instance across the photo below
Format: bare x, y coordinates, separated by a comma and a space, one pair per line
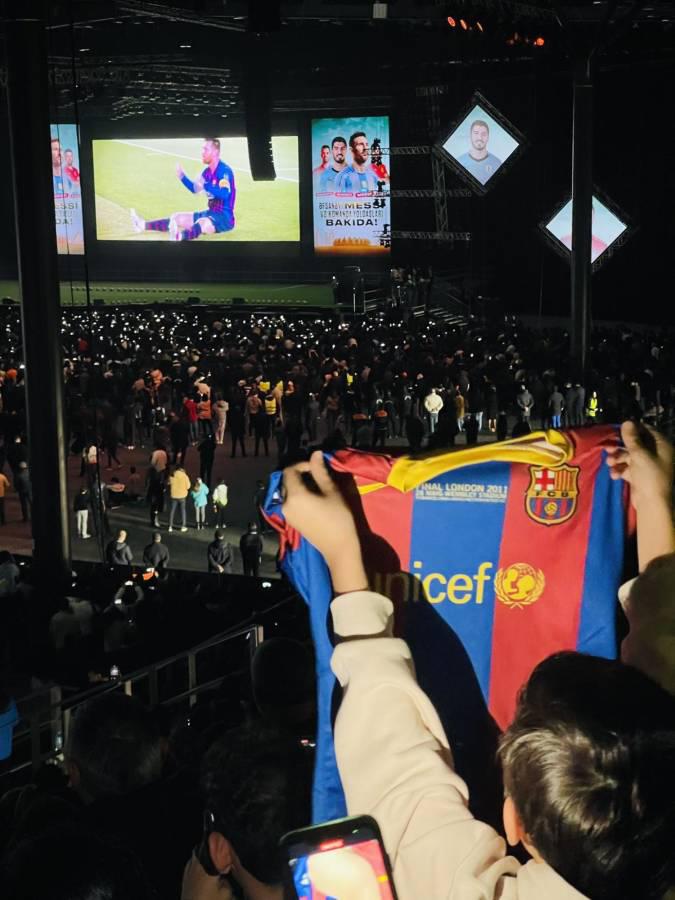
495, 557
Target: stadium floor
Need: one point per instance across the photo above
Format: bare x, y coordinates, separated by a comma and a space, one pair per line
188, 550
138, 293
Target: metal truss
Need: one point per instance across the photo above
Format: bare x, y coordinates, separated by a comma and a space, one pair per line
449, 236
428, 193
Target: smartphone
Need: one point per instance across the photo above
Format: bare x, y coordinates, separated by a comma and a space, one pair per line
343, 859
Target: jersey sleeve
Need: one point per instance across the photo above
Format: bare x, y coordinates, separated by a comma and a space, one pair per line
190, 185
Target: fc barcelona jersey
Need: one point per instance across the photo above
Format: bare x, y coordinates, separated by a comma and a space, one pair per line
495, 557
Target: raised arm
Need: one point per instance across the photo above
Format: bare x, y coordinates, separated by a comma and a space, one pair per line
391, 749
649, 472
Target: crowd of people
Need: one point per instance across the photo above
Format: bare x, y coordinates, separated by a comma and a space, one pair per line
171, 381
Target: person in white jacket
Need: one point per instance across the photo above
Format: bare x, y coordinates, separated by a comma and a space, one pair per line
588, 760
433, 403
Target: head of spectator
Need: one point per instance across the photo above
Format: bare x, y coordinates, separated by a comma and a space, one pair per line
113, 748
156, 537
256, 787
219, 534
588, 763
70, 863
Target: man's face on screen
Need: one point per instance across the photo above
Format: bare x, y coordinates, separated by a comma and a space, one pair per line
324, 155
69, 157
360, 150
56, 154
209, 152
339, 151
479, 137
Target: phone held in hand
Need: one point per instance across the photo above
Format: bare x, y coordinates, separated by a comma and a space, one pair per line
344, 859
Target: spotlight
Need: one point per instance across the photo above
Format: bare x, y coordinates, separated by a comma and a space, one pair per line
463, 24
539, 41
479, 26
452, 22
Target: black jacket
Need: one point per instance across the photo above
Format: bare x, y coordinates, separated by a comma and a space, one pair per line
118, 554
157, 556
251, 546
220, 554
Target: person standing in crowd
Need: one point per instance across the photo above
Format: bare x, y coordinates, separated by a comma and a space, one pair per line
593, 408
81, 509
190, 408
219, 555
220, 408
460, 408
556, 404
207, 454
219, 500
491, 406
156, 487
17, 452
251, 548
179, 485
433, 403
525, 402
159, 459
179, 432
578, 404
156, 555
258, 504
199, 493
237, 428
261, 429
4, 487
118, 552
24, 490
380, 426
204, 415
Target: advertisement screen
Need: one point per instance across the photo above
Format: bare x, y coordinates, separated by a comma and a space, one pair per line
187, 189
606, 228
67, 195
480, 145
351, 188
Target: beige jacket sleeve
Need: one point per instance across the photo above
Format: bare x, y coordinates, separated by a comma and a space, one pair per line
395, 764
650, 609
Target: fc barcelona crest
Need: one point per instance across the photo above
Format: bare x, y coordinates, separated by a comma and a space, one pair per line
551, 498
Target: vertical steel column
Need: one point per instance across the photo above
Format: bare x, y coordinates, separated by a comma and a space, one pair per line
28, 108
582, 213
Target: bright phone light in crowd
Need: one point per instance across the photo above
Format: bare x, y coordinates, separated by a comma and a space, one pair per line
345, 858
67, 191
193, 188
607, 227
351, 185
479, 142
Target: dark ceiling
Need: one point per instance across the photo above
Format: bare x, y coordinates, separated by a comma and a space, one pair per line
132, 57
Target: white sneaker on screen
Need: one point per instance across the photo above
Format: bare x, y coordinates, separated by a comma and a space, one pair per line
137, 223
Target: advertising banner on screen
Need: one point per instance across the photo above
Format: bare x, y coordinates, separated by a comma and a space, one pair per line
351, 185
194, 189
67, 191
606, 228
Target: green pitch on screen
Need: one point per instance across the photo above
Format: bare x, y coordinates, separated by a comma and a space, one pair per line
142, 174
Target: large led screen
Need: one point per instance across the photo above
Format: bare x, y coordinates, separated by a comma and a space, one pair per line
350, 176
607, 228
67, 191
480, 143
186, 189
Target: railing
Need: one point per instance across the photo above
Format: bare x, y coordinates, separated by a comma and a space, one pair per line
46, 715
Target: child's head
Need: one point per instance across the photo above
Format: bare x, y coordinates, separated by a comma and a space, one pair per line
588, 773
